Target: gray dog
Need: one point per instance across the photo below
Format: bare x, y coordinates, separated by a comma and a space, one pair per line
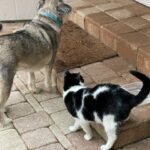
32, 48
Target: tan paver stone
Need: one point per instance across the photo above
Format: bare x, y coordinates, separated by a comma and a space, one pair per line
130, 78
78, 141
60, 136
10, 140
95, 2
44, 95
20, 85
38, 138
137, 23
128, 43
33, 102
118, 64
53, 105
99, 19
14, 88
143, 60
146, 31
24, 76
55, 146
32, 122
61, 123
133, 86
108, 6
146, 17
99, 72
78, 4
120, 13
19, 110
126, 2
138, 9
9, 126
142, 145
110, 33
119, 81
15, 97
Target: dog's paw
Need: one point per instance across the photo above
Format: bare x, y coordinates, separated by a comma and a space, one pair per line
7, 121
35, 90
104, 147
88, 137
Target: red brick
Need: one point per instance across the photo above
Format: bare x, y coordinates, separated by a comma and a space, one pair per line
137, 23
127, 51
108, 6
128, 44
143, 60
118, 65
146, 32
99, 72
130, 78
100, 19
146, 17
120, 13
92, 29
142, 145
78, 141
138, 9
110, 32
95, 2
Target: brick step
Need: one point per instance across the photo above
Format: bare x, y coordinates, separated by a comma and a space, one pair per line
137, 127
124, 26
101, 66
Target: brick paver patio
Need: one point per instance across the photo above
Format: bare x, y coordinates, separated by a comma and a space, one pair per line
41, 121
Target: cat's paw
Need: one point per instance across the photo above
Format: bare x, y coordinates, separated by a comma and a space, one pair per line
104, 147
88, 137
72, 129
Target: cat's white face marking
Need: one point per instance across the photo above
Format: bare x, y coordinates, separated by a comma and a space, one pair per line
100, 90
73, 89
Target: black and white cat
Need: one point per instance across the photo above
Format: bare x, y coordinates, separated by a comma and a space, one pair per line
107, 104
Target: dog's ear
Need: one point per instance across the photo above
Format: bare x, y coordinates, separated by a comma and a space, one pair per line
41, 3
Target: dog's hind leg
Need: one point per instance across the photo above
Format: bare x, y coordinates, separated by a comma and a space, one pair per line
6, 80
31, 83
50, 78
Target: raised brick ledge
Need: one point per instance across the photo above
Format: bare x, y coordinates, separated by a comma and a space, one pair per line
123, 32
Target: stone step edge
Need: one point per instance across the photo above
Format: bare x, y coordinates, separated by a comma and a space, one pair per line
114, 40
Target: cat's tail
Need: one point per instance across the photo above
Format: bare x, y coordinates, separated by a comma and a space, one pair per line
1, 26
145, 88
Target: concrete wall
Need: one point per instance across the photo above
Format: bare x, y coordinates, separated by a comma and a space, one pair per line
17, 9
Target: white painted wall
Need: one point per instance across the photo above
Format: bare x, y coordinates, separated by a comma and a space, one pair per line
144, 2
17, 9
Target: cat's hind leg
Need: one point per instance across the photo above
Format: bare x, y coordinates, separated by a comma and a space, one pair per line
110, 127
87, 129
75, 127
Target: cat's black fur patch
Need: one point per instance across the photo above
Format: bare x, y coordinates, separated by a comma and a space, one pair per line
115, 101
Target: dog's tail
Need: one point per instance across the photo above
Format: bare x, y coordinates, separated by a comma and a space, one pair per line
1, 26
145, 89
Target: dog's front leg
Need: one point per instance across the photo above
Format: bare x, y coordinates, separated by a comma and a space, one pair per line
31, 83
50, 78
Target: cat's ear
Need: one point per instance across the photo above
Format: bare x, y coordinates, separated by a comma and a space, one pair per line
79, 77
66, 73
